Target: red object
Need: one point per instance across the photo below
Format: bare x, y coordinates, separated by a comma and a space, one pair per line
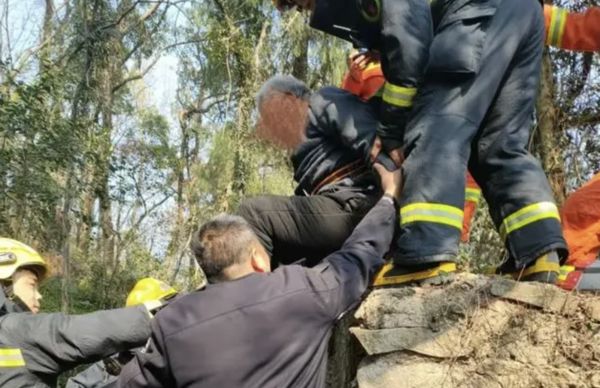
576, 31
572, 280
580, 217
472, 197
364, 82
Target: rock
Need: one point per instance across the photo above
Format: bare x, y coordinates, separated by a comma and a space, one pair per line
478, 331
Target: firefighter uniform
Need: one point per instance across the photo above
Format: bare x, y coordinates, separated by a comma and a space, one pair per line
475, 108
481, 63
36, 348
104, 373
565, 30
578, 31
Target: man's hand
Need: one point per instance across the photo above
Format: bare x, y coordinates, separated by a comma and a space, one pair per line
391, 181
360, 60
396, 155
375, 150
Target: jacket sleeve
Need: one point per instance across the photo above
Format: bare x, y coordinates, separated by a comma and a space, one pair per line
572, 31
94, 376
406, 33
54, 343
342, 117
344, 276
148, 368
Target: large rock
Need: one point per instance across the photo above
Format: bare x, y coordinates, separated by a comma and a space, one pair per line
476, 332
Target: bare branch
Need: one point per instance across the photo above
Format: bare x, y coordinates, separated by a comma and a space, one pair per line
583, 120
135, 77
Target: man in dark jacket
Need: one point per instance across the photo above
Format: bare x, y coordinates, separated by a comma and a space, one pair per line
36, 348
330, 133
254, 328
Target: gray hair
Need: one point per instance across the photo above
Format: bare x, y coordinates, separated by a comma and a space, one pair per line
285, 84
222, 242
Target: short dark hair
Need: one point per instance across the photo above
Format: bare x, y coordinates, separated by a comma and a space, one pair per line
222, 242
285, 84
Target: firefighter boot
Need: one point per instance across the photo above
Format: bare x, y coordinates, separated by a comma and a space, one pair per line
544, 270
581, 279
430, 273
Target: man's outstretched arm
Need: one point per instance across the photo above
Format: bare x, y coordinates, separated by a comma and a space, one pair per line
344, 275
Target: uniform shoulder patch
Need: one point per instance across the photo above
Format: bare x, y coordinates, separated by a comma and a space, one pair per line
370, 9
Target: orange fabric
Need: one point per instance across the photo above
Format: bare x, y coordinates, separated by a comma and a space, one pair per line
580, 217
364, 83
578, 32
470, 207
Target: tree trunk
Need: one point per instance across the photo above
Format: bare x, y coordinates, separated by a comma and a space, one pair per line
300, 62
549, 134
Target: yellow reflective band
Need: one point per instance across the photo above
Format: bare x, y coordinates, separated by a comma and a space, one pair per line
431, 212
527, 215
11, 358
558, 21
372, 65
398, 95
565, 270
472, 195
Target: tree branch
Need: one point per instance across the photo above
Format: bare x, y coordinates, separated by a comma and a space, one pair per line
134, 77
583, 120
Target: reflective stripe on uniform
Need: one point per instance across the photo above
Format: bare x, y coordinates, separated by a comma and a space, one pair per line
557, 26
432, 212
398, 95
472, 194
527, 215
11, 358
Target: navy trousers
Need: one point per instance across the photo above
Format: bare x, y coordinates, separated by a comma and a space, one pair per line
475, 110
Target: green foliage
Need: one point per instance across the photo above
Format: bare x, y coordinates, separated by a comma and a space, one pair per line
95, 175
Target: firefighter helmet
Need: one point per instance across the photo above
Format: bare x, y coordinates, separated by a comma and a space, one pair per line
149, 289
15, 255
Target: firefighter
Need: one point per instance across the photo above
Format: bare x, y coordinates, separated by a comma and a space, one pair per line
104, 373
36, 348
581, 224
253, 327
565, 30
577, 31
330, 134
477, 67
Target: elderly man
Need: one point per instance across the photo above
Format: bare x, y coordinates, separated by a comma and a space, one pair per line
254, 328
331, 134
